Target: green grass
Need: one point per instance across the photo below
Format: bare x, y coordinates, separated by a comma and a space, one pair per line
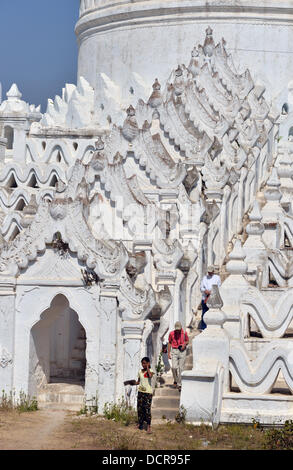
23, 403
120, 412
280, 438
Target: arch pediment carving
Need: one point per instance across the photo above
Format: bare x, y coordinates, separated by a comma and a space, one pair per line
108, 258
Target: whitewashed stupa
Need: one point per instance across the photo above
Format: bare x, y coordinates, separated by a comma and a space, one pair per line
172, 152
131, 42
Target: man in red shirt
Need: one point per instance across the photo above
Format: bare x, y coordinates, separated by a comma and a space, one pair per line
178, 340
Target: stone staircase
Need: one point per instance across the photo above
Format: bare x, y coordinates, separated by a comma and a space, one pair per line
166, 399
62, 396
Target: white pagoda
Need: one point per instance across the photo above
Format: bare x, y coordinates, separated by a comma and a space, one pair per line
168, 155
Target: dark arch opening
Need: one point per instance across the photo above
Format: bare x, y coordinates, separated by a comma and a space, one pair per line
58, 157
9, 135
20, 205
14, 233
285, 108
58, 346
54, 181
11, 183
33, 182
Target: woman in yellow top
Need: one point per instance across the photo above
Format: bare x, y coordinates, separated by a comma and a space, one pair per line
145, 394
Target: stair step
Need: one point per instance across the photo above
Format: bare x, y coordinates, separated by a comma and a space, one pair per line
166, 391
59, 406
167, 380
46, 397
168, 413
71, 374
77, 364
78, 354
70, 386
60, 395
166, 402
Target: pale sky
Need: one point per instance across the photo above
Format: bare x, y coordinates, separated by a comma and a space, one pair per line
38, 47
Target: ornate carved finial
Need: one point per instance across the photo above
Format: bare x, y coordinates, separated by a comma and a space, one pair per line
155, 99
215, 300
255, 214
274, 180
14, 94
178, 71
209, 31
130, 126
236, 263
99, 144
209, 44
156, 85
118, 159
254, 228
130, 111
272, 192
194, 52
194, 66
146, 125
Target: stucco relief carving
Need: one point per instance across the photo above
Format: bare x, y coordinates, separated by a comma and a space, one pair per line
167, 254
91, 371
107, 366
135, 304
107, 309
132, 352
5, 357
108, 257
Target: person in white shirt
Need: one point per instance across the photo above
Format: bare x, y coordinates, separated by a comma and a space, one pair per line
208, 281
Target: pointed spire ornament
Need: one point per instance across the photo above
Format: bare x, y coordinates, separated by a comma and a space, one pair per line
272, 209
14, 94
130, 126
236, 263
254, 246
255, 227
155, 99
209, 44
99, 144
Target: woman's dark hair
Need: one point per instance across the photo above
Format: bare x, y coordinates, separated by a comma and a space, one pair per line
146, 359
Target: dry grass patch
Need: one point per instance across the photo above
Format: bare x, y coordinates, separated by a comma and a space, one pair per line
110, 435
101, 434
62, 430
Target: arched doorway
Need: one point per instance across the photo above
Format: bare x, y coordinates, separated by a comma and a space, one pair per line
57, 347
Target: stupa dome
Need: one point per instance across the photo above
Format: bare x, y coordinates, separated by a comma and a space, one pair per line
148, 37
